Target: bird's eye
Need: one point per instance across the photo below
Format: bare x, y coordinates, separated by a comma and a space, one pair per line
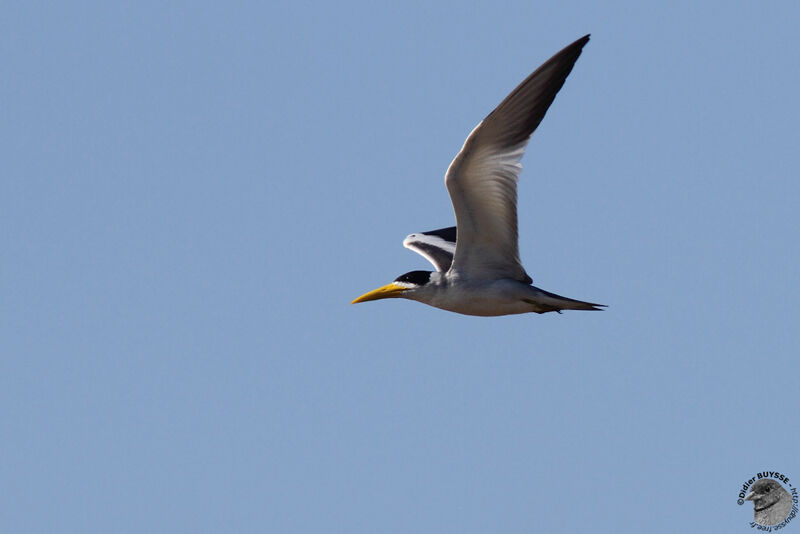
767, 489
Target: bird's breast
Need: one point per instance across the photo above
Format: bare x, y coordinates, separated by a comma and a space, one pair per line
484, 298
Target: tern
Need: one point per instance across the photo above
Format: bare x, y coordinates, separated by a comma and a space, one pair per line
478, 269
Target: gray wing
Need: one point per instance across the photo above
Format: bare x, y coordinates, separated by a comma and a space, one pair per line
436, 246
482, 179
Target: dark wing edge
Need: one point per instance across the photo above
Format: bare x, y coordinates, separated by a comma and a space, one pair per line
514, 120
482, 179
436, 246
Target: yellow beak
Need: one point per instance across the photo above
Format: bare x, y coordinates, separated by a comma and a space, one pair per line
392, 290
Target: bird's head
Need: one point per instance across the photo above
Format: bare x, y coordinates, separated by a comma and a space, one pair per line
404, 286
765, 493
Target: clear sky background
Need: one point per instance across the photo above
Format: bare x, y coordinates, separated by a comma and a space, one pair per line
192, 193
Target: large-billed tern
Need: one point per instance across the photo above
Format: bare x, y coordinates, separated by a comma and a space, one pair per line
478, 270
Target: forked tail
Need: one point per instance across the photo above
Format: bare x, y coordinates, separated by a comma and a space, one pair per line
547, 302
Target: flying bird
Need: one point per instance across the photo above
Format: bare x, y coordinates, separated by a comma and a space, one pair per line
478, 269
771, 502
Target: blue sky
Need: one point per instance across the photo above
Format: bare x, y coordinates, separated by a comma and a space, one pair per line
192, 194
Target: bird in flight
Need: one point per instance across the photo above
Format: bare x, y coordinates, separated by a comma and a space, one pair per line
478, 270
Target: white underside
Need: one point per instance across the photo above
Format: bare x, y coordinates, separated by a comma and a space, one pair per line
483, 298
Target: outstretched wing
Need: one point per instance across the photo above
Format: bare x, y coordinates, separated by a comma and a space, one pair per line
482, 179
436, 246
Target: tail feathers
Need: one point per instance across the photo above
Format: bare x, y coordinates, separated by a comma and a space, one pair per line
547, 302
